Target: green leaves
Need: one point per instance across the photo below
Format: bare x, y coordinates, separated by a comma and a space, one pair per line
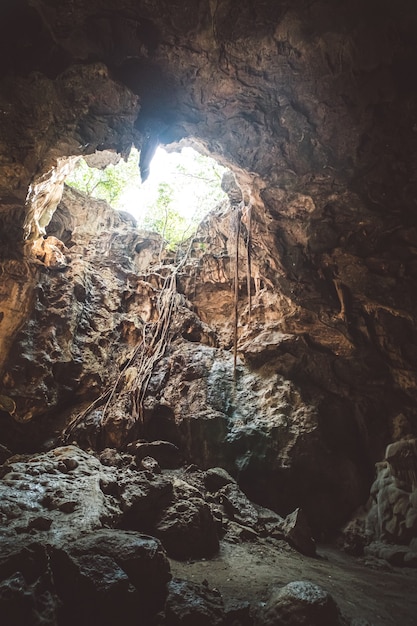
108, 184
180, 191
163, 218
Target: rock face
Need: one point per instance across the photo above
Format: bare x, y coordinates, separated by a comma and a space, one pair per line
387, 528
313, 109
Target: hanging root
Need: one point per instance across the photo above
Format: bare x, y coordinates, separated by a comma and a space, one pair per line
236, 293
156, 348
249, 259
149, 351
105, 397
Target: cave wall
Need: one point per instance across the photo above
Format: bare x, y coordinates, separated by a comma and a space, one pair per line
313, 106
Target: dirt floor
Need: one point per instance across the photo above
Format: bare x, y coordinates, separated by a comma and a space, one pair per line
365, 589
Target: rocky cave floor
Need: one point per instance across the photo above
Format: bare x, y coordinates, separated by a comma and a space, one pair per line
367, 590
74, 550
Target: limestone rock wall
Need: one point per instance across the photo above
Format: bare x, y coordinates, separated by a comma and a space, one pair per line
87, 308
313, 107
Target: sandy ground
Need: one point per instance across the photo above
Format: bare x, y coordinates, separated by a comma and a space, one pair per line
366, 589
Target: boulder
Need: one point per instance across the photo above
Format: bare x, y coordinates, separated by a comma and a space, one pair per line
297, 532
166, 453
301, 603
27, 593
111, 576
189, 604
187, 530
38, 493
216, 477
18, 605
143, 496
237, 506
94, 588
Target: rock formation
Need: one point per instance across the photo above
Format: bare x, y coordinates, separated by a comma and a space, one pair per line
281, 344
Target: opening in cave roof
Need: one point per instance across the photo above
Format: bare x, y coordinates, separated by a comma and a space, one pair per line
182, 188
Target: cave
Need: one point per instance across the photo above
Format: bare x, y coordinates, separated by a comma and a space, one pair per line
222, 432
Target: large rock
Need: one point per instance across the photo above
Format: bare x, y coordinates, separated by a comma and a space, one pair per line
165, 452
94, 587
236, 505
142, 497
27, 591
189, 604
22, 603
111, 575
388, 523
301, 603
216, 477
187, 530
45, 491
297, 531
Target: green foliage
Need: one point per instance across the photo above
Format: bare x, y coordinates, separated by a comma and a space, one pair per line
173, 205
196, 185
108, 184
164, 219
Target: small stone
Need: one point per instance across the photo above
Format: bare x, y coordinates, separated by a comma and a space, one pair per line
240, 532
71, 464
216, 477
150, 464
61, 467
111, 458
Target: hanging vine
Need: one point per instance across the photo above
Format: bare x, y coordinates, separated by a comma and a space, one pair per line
249, 258
155, 350
149, 351
236, 292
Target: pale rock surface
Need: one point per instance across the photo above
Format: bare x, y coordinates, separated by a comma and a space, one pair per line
297, 532
301, 603
188, 604
387, 528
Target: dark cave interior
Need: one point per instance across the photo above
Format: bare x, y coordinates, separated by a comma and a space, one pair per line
250, 398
